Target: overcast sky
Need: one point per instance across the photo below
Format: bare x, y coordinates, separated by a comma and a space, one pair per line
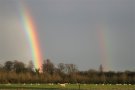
69, 32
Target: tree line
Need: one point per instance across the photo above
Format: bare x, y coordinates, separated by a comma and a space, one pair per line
18, 72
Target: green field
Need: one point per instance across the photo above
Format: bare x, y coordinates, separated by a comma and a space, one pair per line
67, 86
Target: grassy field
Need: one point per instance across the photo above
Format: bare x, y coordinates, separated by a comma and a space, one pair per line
67, 86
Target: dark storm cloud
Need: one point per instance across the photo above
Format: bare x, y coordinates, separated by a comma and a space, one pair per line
68, 31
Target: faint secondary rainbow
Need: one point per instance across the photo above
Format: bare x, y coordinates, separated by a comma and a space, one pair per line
30, 29
104, 46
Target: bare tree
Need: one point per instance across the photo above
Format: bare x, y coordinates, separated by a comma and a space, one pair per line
61, 67
8, 65
48, 66
19, 66
70, 68
101, 68
30, 66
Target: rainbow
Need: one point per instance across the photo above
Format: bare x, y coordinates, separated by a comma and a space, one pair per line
104, 46
29, 28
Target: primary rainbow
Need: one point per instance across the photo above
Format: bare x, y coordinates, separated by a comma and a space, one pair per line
30, 29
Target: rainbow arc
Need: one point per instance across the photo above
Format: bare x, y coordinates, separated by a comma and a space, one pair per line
30, 29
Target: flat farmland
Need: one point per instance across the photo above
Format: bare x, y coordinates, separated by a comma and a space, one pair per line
66, 87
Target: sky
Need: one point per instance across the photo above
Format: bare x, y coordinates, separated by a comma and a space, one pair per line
86, 33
